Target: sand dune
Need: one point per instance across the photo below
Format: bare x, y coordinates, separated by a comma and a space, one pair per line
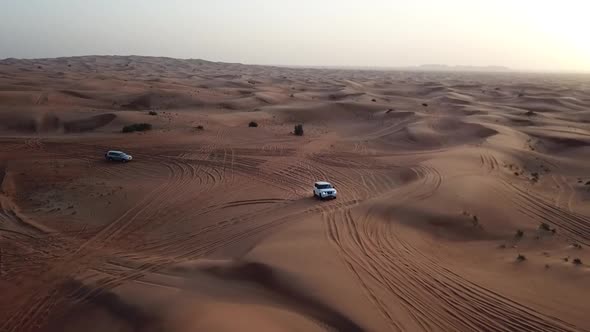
445, 179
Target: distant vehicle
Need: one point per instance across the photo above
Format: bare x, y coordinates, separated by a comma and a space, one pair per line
117, 156
323, 190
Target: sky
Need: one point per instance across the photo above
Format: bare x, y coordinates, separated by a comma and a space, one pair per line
524, 34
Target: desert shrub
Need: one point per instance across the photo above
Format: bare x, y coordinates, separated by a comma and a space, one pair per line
199, 127
137, 127
520, 258
545, 227
374, 100
425, 104
519, 234
530, 113
577, 261
577, 246
253, 124
153, 113
299, 130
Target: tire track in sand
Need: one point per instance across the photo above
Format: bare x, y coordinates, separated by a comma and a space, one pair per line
565, 194
402, 282
27, 312
576, 226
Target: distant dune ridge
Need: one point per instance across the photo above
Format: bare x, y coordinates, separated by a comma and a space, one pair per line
425, 67
463, 197
438, 67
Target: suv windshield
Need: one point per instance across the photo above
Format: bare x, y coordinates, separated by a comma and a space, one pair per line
323, 186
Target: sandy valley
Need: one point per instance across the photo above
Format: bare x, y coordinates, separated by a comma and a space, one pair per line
464, 198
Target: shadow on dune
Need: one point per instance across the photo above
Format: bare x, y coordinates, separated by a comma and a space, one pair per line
88, 124
159, 100
556, 144
76, 94
266, 277
141, 102
452, 227
18, 123
438, 133
124, 316
51, 123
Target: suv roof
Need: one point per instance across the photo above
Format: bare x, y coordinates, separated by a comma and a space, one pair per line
322, 183
114, 151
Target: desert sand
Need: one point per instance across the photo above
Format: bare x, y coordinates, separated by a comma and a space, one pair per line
444, 181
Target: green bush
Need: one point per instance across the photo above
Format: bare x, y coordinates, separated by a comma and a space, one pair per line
137, 127
299, 130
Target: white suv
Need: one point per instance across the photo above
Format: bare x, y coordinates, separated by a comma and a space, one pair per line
323, 190
117, 156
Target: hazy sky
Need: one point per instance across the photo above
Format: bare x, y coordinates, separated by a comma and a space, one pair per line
521, 34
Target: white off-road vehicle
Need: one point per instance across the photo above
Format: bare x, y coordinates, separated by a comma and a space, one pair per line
113, 155
324, 190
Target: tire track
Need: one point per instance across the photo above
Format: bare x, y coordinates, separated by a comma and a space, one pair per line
210, 241
402, 281
565, 193
430, 181
489, 162
79, 257
577, 226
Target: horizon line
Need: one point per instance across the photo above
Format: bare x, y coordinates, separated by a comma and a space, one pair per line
416, 67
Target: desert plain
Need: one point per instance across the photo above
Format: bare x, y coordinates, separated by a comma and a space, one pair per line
463, 198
